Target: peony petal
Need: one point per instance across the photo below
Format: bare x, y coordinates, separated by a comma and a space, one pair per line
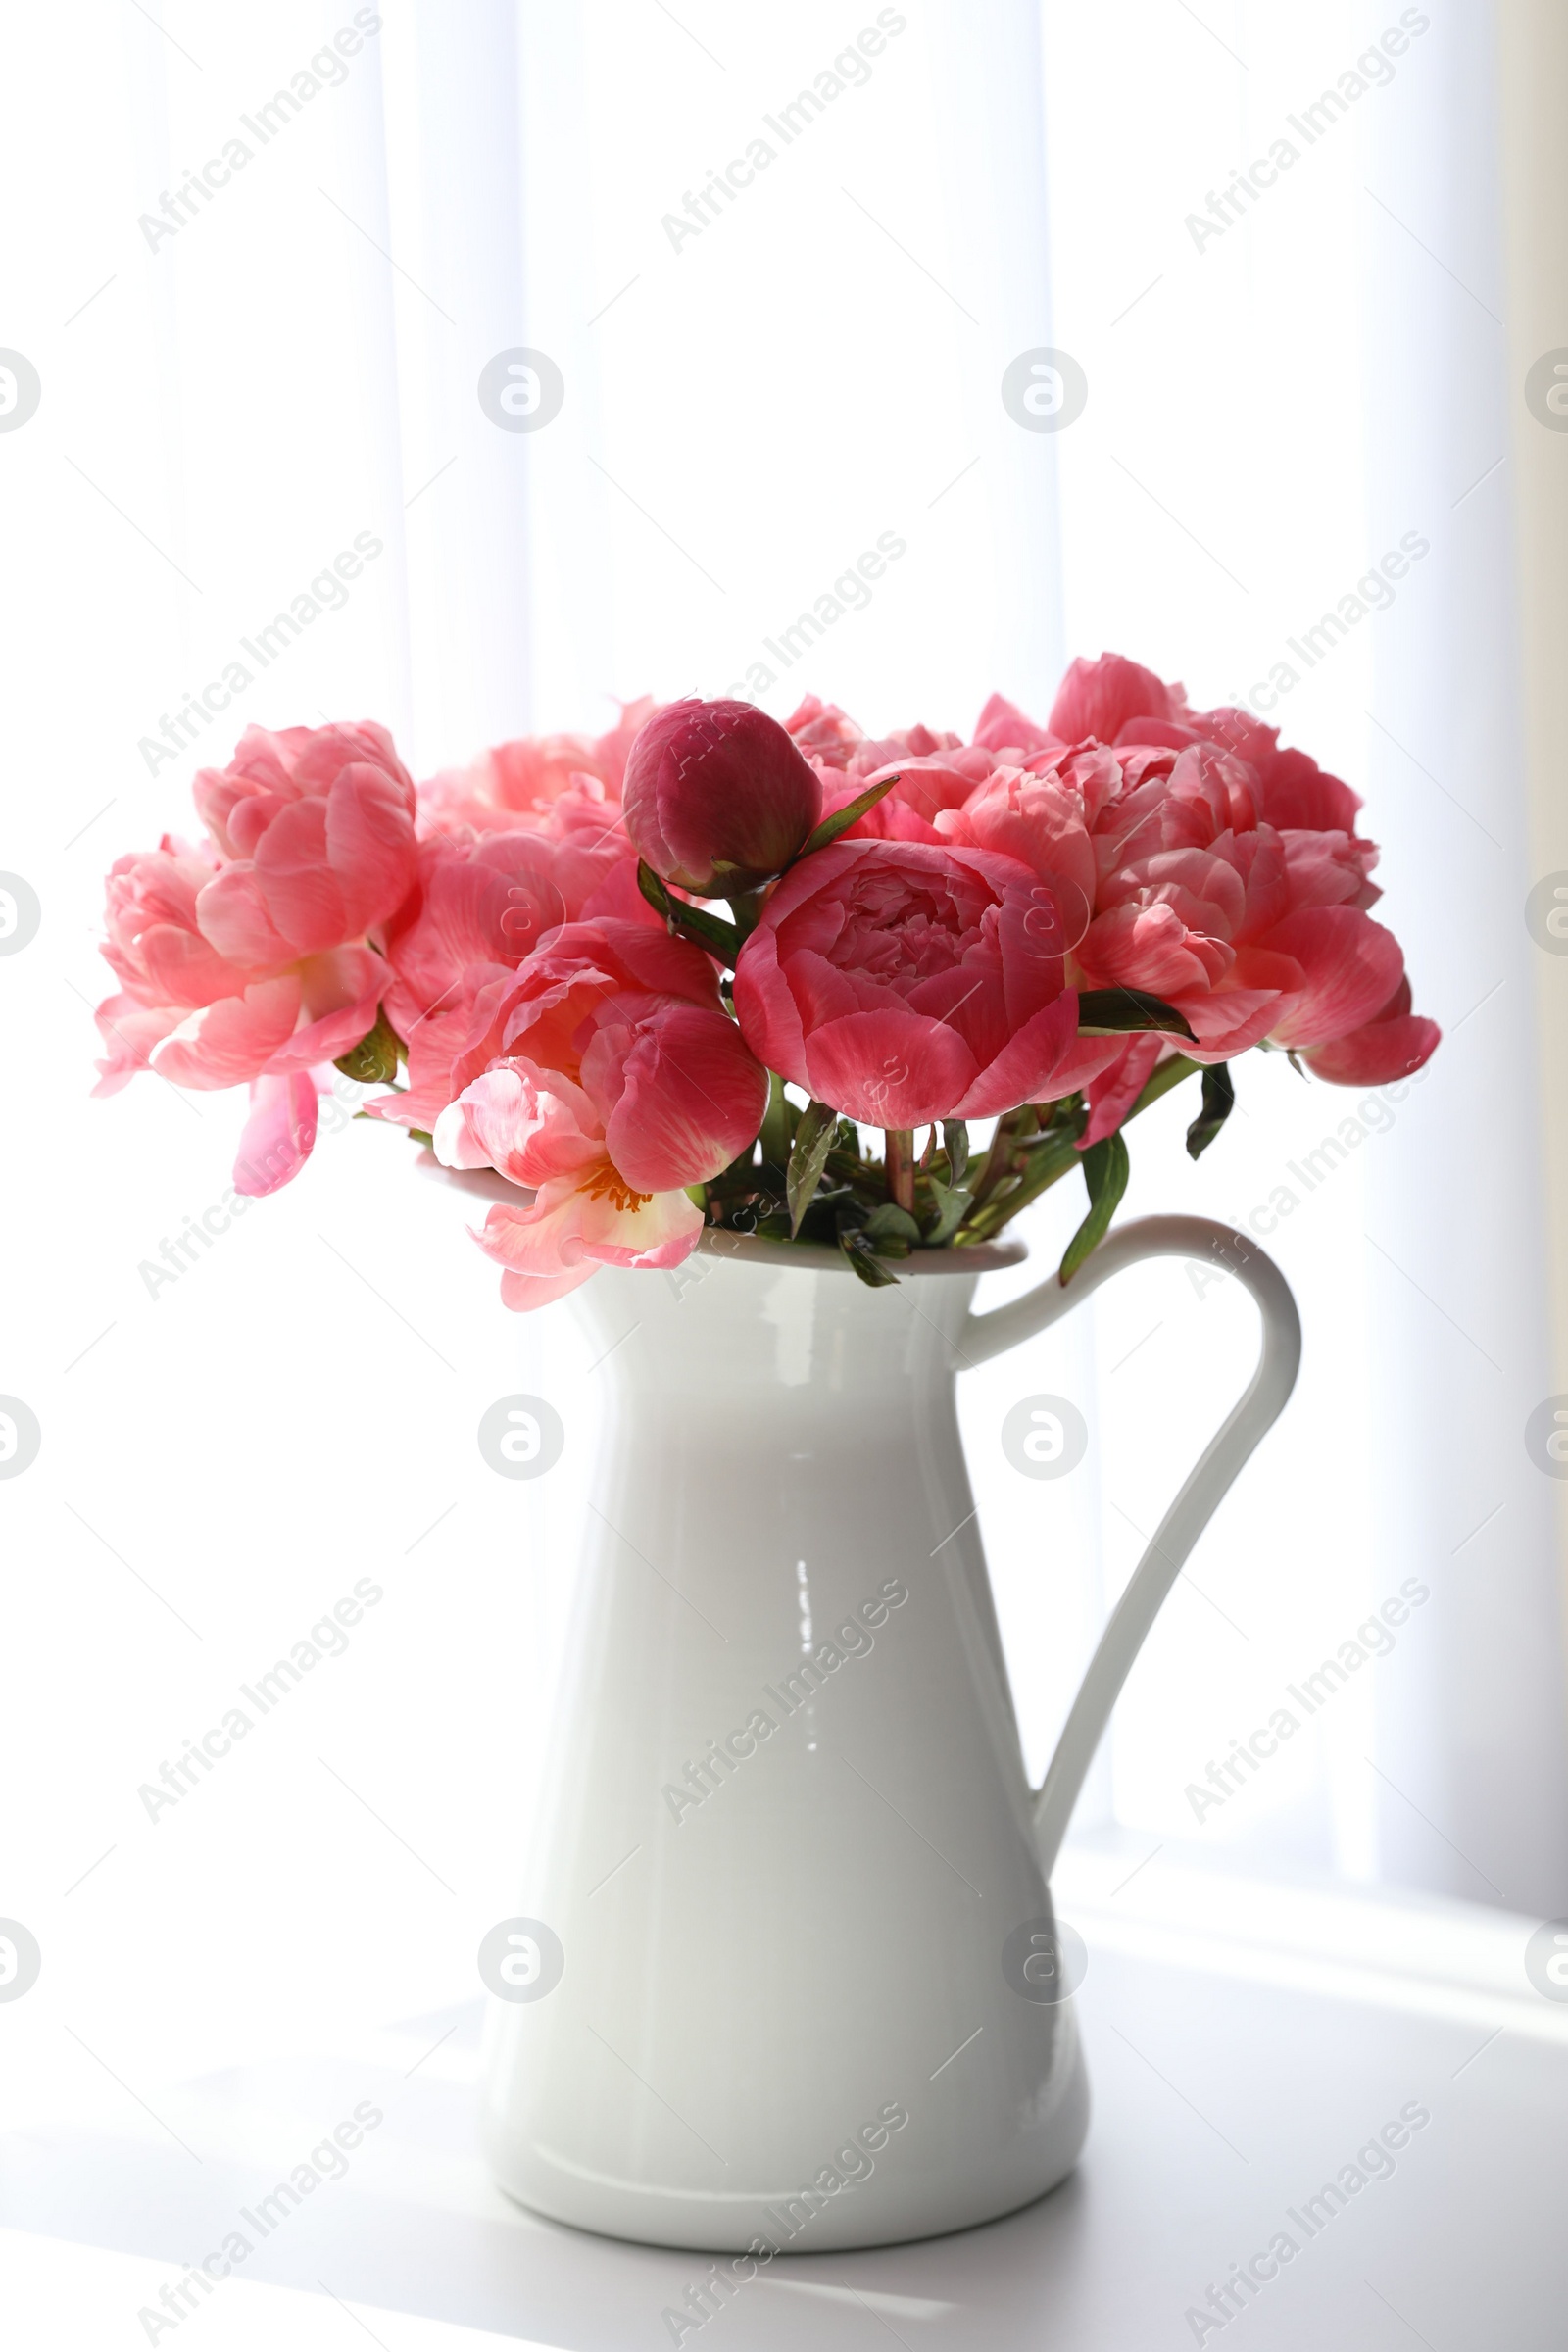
1002, 727
1113, 1093
688, 1098
1394, 1044
181, 968
303, 895
235, 1039
129, 1031
1351, 965
371, 846
1099, 698
889, 1069
279, 1134
569, 1223
1028, 1067
231, 910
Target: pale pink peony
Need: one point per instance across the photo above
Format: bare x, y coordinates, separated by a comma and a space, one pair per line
823, 733
315, 828
518, 783
248, 961
664, 1098
541, 1131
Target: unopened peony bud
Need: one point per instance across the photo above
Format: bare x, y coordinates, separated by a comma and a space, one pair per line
716, 796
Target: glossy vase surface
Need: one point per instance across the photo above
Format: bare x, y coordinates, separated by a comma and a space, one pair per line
785, 1974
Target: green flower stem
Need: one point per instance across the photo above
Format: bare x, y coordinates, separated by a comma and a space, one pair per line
744, 907
775, 1135
1050, 1163
898, 1158
995, 1161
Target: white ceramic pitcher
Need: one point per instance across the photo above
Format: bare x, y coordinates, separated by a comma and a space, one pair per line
814, 2006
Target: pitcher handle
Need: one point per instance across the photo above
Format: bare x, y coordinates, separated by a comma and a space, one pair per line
1210, 1481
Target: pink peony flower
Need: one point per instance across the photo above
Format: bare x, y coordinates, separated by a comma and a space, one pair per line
630, 1019
716, 796
1099, 698
198, 1018
1002, 728
1393, 1043
1213, 852
823, 733
903, 982
482, 904
315, 827
930, 785
519, 783
582, 976
665, 1098
541, 1131
249, 961
1043, 818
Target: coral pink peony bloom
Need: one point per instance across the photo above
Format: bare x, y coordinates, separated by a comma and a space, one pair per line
1215, 852
824, 733
540, 1130
316, 826
1099, 698
1002, 728
200, 1019
248, 961
1043, 818
929, 786
482, 904
664, 1098
716, 796
903, 982
1393, 1043
582, 974
519, 783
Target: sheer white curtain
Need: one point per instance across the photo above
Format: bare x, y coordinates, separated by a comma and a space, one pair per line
757, 387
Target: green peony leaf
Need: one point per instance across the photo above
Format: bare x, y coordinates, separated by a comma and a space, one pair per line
1116, 1011
1219, 1101
842, 819
1106, 1171
705, 930
814, 1140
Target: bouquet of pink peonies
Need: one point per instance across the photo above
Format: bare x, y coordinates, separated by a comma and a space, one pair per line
1047, 927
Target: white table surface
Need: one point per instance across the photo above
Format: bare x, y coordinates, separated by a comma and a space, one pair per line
1243, 2043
